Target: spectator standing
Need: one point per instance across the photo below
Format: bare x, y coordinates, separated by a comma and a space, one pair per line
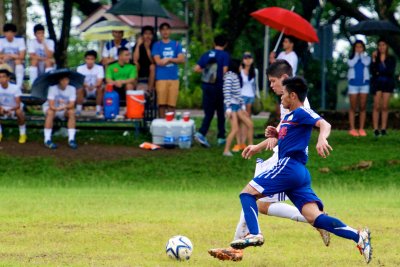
10, 104
234, 105
287, 54
60, 104
250, 90
167, 54
41, 51
358, 77
12, 51
122, 74
383, 82
93, 84
213, 64
143, 60
110, 50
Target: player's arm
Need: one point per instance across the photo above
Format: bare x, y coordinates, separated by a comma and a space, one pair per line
197, 68
251, 150
178, 60
49, 53
52, 105
323, 146
71, 105
20, 55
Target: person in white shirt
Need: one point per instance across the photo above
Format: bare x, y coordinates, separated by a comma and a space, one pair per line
287, 54
93, 85
12, 51
10, 104
110, 50
60, 103
41, 52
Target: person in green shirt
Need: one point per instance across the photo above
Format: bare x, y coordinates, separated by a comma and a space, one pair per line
121, 73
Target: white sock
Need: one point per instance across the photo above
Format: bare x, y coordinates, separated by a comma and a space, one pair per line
33, 73
22, 129
284, 210
71, 134
79, 108
241, 228
98, 108
47, 134
19, 74
48, 69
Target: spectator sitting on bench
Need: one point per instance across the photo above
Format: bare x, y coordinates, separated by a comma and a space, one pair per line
10, 104
143, 60
60, 104
122, 74
41, 51
12, 51
110, 50
93, 85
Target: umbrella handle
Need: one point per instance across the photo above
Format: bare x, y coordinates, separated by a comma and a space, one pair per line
280, 36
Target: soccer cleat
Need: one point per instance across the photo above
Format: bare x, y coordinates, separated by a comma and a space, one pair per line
377, 133
22, 138
226, 254
227, 154
364, 244
362, 132
72, 144
50, 144
248, 241
325, 235
354, 133
236, 148
201, 139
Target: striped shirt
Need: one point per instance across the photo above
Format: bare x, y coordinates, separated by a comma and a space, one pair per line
232, 89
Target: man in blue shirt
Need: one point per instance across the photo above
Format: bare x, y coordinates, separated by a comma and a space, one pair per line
167, 55
290, 174
213, 64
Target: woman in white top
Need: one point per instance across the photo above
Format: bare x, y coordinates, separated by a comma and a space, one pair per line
250, 91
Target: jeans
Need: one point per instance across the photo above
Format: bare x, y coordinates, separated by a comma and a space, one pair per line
213, 100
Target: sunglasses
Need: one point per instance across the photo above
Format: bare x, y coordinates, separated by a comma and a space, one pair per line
247, 56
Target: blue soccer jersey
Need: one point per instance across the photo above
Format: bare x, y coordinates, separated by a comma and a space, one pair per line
295, 133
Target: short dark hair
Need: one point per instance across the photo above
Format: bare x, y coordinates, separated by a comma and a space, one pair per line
122, 49
290, 38
220, 40
165, 24
147, 28
9, 27
91, 53
296, 85
6, 71
38, 27
279, 68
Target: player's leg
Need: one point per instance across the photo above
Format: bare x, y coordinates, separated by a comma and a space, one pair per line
152, 75
19, 72
385, 111
80, 98
249, 125
363, 112
49, 64
352, 111
376, 111
48, 128
99, 99
161, 98
22, 126
234, 130
33, 70
173, 93
70, 114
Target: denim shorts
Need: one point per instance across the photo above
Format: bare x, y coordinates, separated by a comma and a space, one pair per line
234, 107
247, 100
358, 89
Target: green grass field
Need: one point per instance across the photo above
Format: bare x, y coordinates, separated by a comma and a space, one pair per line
55, 212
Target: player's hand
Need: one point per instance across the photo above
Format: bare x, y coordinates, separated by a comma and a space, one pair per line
271, 132
140, 40
118, 83
323, 148
374, 55
271, 143
249, 151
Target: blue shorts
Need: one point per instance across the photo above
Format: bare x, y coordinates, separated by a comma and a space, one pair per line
247, 100
234, 107
291, 177
358, 89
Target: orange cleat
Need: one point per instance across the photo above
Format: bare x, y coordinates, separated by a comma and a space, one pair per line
227, 254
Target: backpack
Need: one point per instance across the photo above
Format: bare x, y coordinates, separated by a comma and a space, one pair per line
209, 74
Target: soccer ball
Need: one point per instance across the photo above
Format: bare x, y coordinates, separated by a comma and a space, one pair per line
179, 247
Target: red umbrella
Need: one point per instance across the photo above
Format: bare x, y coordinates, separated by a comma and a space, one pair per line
287, 21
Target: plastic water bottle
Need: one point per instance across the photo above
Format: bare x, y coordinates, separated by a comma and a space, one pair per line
169, 140
185, 137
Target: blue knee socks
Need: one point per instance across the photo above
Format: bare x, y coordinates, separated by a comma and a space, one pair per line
249, 206
336, 227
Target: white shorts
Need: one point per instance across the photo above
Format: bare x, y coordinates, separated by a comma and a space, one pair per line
264, 166
358, 89
59, 114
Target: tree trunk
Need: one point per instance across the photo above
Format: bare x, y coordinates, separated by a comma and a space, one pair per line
62, 53
2, 15
19, 17
50, 25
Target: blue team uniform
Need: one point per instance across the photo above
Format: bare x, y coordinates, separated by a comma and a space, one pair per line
290, 174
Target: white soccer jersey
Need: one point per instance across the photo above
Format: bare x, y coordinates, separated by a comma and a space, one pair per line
34, 47
61, 97
110, 50
14, 47
8, 96
91, 75
291, 58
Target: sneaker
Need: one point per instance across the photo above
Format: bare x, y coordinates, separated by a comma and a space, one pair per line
353, 133
236, 148
99, 115
377, 133
50, 144
221, 141
247, 241
383, 132
22, 138
243, 146
362, 132
201, 139
72, 144
364, 244
227, 154
227, 254
325, 235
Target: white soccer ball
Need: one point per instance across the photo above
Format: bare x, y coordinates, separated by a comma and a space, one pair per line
179, 247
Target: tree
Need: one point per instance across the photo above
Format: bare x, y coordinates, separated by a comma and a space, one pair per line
19, 17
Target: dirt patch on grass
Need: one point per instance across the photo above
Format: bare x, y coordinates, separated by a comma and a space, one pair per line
85, 152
